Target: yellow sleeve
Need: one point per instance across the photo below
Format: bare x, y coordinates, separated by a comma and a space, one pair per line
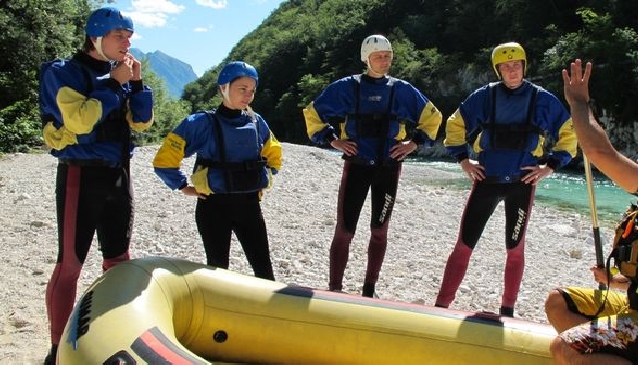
313, 121
57, 139
138, 127
567, 139
171, 153
430, 120
455, 130
79, 113
272, 152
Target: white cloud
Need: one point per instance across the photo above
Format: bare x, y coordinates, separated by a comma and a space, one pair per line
149, 20
153, 13
200, 30
157, 6
215, 4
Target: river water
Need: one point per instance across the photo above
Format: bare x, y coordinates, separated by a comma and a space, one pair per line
563, 190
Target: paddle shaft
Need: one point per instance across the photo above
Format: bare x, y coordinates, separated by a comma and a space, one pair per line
600, 261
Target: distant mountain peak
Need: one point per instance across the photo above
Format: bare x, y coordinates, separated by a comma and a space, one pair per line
175, 73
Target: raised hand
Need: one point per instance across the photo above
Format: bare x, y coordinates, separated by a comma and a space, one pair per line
128, 69
576, 85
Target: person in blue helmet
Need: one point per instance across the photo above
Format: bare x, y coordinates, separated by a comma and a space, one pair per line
236, 157
506, 125
381, 120
89, 104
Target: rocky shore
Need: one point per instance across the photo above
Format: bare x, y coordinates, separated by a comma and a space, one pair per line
300, 214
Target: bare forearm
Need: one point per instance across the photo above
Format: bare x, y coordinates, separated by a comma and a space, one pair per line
596, 146
584, 129
619, 282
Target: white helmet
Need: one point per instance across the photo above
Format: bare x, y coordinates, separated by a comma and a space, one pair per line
374, 43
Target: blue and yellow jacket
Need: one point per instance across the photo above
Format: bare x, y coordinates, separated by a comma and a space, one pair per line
373, 113
85, 113
225, 142
509, 129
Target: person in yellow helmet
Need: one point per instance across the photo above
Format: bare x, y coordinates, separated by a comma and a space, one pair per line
598, 327
498, 137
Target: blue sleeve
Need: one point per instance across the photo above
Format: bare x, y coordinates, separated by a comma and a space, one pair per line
412, 106
330, 107
408, 102
189, 137
560, 128
336, 100
141, 104
473, 111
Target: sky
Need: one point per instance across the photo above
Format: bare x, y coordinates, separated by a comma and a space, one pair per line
199, 32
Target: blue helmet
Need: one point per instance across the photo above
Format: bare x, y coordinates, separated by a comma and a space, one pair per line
104, 20
236, 69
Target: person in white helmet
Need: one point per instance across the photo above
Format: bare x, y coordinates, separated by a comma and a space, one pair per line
381, 120
599, 326
505, 124
89, 104
237, 157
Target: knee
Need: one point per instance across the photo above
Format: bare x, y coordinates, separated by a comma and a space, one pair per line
461, 248
516, 252
564, 354
554, 305
554, 301
379, 234
557, 348
109, 263
343, 236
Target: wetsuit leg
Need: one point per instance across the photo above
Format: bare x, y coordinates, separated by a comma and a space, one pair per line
518, 206
251, 232
481, 204
214, 224
79, 199
115, 226
355, 183
383, 195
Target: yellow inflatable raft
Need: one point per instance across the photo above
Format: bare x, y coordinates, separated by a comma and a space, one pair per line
168, 311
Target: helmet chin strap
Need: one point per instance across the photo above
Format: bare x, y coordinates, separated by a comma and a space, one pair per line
98, 47
225, 90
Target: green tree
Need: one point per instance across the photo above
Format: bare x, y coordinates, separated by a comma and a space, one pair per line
614, 53
167, 112
442, 47
32, 31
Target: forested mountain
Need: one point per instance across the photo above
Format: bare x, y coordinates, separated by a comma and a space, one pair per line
175, 73
443, 47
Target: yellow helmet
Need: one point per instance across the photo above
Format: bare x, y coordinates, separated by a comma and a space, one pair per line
510, 51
